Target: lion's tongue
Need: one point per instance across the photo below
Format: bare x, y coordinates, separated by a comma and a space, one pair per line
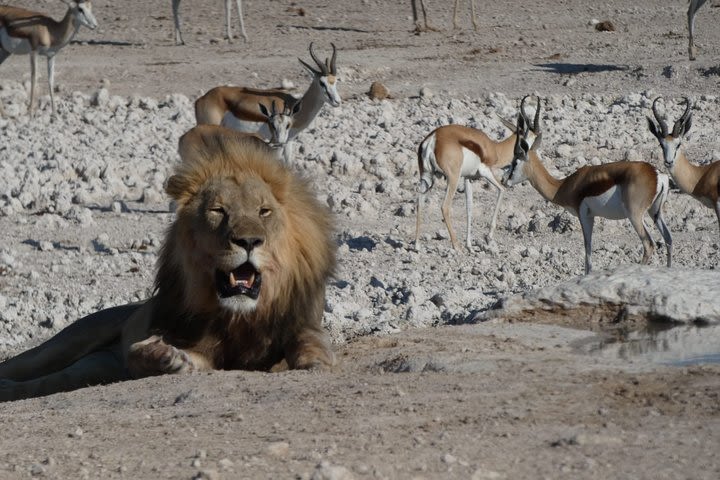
244, 276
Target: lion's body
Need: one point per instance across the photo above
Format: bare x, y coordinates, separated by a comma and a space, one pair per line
240, 282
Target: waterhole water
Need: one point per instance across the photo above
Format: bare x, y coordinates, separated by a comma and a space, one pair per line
660, 343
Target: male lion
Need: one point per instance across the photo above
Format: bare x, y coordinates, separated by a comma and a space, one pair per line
240, 281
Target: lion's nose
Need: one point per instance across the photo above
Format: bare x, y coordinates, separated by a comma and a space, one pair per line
248, 243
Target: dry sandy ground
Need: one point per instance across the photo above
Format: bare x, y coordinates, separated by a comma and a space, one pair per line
486, 401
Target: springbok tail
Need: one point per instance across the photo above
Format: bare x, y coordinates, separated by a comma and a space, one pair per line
661, 195
426, 161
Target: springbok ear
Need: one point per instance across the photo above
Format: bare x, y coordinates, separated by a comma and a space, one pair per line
687, 125
524, 146
310, 69
507, 123
537, 142
264, 110
653, 128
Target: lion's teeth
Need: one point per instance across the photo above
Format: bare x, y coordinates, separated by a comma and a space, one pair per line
248, 283
232, 280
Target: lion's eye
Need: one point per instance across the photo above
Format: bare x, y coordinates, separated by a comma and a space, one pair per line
265, 212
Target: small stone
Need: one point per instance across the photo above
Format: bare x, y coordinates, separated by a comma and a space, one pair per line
37, 470
279, 449
46, 246
100, 98
449, 459
605, 26
206, 475
425, 92
325, 471
78, 433
438, 300
225, 463
378, 91
481, 474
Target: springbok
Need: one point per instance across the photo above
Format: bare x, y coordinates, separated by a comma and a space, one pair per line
700, 181
278, 122
25, 32
458, 152
614, 190
228, 28
236, 107
693, 7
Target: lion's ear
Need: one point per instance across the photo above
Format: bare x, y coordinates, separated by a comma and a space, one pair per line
178, 187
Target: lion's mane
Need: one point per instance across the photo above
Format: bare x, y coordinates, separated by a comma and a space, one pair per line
302, 253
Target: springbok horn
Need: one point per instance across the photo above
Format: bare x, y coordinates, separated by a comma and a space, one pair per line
661, 122
333, 68
680, 123
323, 67
507, 123
536, 123
524, 115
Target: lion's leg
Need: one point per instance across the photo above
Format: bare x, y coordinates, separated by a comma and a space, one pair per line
97, 368
86, 335
310, 349
153, 356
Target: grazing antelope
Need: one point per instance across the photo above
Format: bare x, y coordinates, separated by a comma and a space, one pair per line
228, 28
24, 32
236, 107
693, 7
458, 152
614, 190
700, 181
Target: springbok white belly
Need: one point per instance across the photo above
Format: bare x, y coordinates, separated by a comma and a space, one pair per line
472, 167
608, 204
21, 46
231, 121
14, 45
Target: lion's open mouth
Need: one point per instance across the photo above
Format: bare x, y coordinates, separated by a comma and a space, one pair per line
244, 280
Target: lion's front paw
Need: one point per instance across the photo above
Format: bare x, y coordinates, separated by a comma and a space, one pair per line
155, 357
311, 356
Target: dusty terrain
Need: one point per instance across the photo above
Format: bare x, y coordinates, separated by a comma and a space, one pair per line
416, 395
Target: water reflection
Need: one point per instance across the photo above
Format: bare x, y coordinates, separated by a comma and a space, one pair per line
660, 343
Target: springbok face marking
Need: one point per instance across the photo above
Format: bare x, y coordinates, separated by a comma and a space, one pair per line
326, 75
280, 122
329, 85
528, 139
670, 142
84, 14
